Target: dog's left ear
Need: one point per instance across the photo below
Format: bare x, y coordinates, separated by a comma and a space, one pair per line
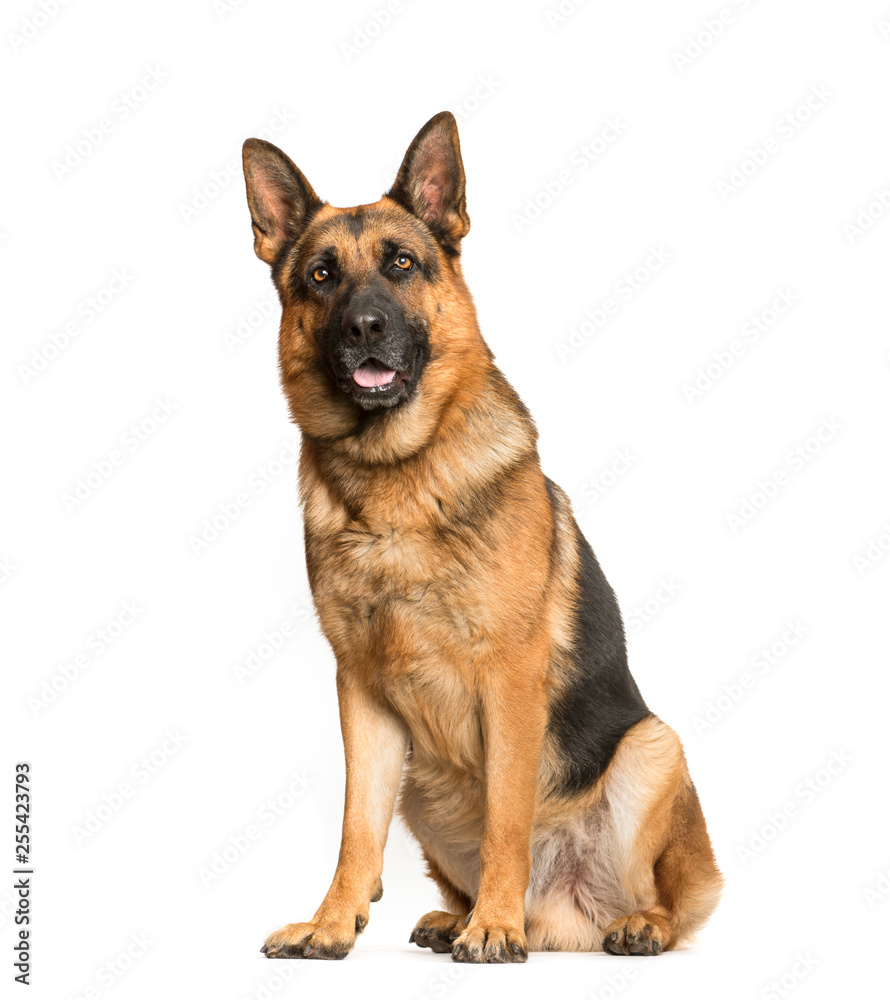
431, 181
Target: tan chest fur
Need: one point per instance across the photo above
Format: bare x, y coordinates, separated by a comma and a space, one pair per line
403, 612
424, 600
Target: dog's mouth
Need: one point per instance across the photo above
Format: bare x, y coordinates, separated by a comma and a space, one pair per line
375, 382
372, 375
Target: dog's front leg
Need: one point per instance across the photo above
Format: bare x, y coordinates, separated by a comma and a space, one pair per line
514, 719
375, 742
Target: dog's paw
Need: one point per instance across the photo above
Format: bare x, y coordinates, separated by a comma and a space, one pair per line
437, 931
490, 944
640, 934
312, 941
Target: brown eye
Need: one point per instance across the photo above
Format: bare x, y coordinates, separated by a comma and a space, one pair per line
320, 274
404, 262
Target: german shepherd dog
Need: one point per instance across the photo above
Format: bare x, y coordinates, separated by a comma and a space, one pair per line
481, 664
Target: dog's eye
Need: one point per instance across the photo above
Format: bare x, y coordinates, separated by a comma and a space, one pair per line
404, 262
320, 274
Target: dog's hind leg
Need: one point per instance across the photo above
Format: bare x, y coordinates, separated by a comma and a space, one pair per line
629, 867
670, 860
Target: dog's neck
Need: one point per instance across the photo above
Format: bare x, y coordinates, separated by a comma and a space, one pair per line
482, 431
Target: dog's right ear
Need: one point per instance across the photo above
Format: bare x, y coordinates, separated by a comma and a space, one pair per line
280, 198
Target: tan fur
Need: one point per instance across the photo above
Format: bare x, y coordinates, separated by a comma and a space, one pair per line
445, 578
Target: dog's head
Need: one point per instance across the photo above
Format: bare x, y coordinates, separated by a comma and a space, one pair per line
374, 306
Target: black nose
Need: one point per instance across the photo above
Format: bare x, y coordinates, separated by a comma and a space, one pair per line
363, 325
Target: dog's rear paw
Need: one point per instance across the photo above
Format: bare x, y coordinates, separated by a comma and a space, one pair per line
640, 934
437, 931
310, 941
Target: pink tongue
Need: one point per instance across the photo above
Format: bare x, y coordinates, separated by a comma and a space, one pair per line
371, 373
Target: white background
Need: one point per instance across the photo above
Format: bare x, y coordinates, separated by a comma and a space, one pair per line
805, 906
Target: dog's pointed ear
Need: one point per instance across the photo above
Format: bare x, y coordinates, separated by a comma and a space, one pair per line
280, 198
431, 181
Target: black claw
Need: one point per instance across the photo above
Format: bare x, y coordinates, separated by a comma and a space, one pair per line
439, 945
411, 939
263, 950
610, 944
656, 947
